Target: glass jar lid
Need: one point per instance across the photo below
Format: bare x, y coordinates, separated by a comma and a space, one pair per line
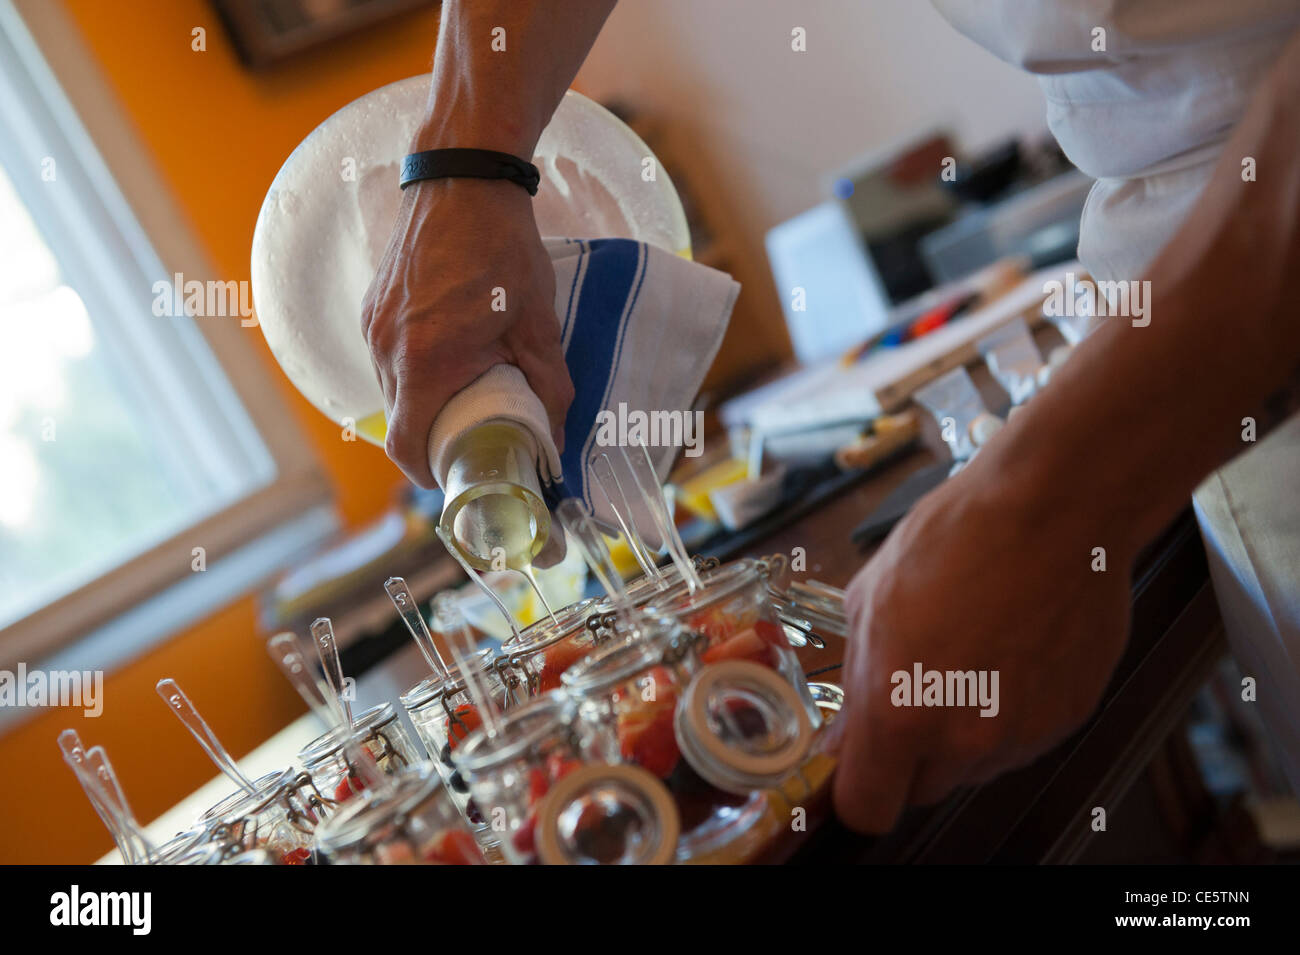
543, 633
608, 815
331, 741
719, 584
433, 687
741, 726
380, 816
240, 804
519, 730
207, 853
179, 844
650, 644
643, 589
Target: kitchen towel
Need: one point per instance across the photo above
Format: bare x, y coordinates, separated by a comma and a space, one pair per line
640, 327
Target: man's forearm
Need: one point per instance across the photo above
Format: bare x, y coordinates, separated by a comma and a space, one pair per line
1140, 415
501, 67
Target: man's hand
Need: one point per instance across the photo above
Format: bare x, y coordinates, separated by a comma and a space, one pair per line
977, 577
993, 571
459, 247
499, 71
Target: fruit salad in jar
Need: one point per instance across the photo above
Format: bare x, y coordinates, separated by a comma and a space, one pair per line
543, 651
411, 822
633, 690
737, 621
276, 817
383, 738
511, 773
443, 716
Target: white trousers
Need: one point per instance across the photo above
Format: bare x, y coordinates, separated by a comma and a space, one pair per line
1249, 513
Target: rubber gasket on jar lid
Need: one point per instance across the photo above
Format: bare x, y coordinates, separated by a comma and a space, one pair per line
633, 782
726, 766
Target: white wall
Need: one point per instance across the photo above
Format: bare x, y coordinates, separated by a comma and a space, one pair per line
875, 72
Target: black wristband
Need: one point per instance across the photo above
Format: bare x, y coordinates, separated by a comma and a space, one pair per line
472, 163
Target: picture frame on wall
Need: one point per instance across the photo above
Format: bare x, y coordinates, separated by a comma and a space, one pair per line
266, 32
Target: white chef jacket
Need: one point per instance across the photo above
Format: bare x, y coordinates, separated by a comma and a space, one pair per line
1146, 117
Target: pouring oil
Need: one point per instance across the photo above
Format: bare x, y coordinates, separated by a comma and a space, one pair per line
494, 513
498, 530
501, 526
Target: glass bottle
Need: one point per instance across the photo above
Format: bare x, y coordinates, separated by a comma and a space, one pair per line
494, 510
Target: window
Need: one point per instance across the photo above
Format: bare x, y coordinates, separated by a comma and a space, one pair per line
128, 439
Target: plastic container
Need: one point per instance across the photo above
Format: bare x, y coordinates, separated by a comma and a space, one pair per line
955, 404
1013, 359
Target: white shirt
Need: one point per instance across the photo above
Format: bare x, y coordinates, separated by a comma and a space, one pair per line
1145, 107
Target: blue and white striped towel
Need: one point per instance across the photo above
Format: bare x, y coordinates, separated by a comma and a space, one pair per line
640, 327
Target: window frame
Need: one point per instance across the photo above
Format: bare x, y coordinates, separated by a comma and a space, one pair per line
43, 45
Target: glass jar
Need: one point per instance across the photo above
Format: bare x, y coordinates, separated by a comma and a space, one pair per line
641, 590
736, 618
742, 727
607, 814
205, 853
279, 816
382, 735
829, 698
178, 845
251, 857
509, 774
263, 786
411, 822
808, 608
631, 689
544, 650
443, 715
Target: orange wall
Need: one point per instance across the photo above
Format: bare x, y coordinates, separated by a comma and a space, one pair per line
218, 135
